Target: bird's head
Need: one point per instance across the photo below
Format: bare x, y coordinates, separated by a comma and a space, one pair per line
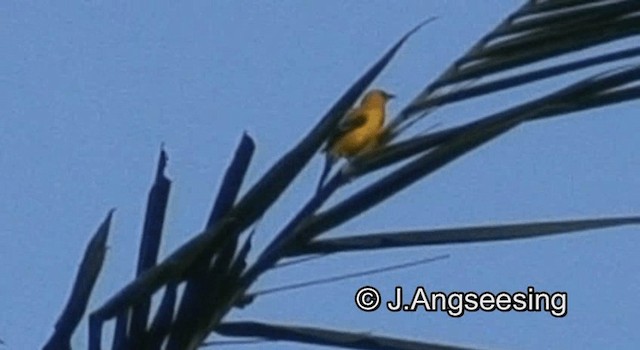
376, 97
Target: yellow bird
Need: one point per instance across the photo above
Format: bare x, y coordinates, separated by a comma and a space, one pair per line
358, 131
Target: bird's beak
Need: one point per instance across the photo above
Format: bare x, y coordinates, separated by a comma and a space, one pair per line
389, 96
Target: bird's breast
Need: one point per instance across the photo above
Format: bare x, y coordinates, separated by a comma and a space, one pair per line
359, 138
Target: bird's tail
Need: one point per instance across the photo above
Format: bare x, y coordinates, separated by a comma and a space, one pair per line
328, 164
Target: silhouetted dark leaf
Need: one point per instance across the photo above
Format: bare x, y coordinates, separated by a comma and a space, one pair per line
537, 31
88, 272
203, 280
326, 337
476, 234
161, 325
149, 248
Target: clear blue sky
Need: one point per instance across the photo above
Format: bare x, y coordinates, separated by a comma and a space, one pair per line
89, 91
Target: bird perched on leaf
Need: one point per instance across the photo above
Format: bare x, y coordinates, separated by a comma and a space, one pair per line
358, 131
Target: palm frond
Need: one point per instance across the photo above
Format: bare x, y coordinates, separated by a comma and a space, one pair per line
475, 234
86, 278
204, 278
519, 51
536, 32
148, 252
326, 337
593, 92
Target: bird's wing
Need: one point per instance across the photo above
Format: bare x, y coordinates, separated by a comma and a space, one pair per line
354, 119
